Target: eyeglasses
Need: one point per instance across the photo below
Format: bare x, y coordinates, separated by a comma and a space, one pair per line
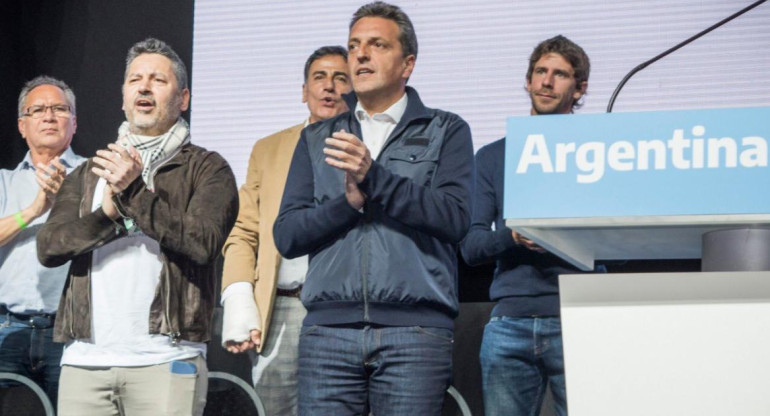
38, 111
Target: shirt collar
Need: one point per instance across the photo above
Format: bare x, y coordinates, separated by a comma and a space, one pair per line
68, 159
26, 163
392, 114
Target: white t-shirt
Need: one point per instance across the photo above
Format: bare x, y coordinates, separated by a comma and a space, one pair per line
124, 278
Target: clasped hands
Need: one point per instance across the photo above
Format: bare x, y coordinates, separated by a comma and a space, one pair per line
348, 153
49, 178
119, 166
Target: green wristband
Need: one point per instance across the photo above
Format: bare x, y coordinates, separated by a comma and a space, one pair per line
20, 220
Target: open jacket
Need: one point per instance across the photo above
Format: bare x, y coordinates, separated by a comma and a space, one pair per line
395, 262
190, 214
250, 253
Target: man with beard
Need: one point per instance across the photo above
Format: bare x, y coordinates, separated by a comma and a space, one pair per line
261, 288
521, 351
142, 223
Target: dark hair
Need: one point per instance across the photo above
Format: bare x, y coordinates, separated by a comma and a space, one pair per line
46, 80
324, 51
406, 34
152, 45
573, 53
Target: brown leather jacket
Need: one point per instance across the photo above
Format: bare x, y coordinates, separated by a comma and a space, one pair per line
190, 214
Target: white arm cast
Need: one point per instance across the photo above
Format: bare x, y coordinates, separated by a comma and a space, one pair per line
241, 314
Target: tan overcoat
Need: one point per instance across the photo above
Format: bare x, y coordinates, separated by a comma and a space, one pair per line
250, 253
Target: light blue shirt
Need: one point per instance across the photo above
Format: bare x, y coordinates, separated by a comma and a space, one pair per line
25, 285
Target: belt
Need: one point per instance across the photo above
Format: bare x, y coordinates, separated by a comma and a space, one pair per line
35, 320
289, 293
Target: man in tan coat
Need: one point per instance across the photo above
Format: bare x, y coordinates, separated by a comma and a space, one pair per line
260, 288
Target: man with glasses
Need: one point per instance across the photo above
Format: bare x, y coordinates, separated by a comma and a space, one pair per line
29, 292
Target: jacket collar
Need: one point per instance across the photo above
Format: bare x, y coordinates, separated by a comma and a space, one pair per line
181, 158
415, 109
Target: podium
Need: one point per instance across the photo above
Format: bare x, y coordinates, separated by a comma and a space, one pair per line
651, 186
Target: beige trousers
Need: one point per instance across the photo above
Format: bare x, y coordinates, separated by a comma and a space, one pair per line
134, 391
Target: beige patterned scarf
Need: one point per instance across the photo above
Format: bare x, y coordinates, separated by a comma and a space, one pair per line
155, 151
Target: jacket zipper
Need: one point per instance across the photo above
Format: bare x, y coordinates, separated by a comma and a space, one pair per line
173, 335
70, 301
72, 310
365, 269
367, 219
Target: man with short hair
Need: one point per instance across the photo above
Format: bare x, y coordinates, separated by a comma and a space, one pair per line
521, 351
379, 198
261, 289
29, 293
142, 222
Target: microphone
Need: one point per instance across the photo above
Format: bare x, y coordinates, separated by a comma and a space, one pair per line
674, 48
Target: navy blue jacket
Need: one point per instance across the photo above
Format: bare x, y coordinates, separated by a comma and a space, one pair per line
394, 263
525, 282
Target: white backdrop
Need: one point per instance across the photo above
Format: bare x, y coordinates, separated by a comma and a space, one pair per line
248, 58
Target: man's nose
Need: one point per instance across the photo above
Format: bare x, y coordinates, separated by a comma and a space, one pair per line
144, 86
362, 53
548, 79
48, 114
328, 84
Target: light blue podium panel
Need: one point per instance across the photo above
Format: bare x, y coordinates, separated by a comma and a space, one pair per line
678, 344
636, 185
649, 186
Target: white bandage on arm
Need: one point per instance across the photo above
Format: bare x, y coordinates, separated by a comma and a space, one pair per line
241, 314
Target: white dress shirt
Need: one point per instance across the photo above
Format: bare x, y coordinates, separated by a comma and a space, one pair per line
376, 128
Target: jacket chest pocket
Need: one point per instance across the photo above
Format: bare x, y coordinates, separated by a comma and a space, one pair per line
416, 162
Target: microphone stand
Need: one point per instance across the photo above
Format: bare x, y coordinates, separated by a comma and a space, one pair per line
677, 46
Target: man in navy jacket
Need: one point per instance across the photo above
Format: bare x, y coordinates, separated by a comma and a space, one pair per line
521, 351
379, 198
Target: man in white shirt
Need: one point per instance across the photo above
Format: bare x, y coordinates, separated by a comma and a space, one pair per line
379, 197
142, 222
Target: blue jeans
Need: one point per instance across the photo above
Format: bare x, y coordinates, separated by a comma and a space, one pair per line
28, 349
386, 370
518, 357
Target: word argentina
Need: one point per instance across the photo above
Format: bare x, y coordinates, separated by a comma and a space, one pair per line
593, 158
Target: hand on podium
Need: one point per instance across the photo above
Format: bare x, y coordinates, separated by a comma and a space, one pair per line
526, 242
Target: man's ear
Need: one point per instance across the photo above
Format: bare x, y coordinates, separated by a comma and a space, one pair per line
22, 128
409, 62
580, 91
185, 100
